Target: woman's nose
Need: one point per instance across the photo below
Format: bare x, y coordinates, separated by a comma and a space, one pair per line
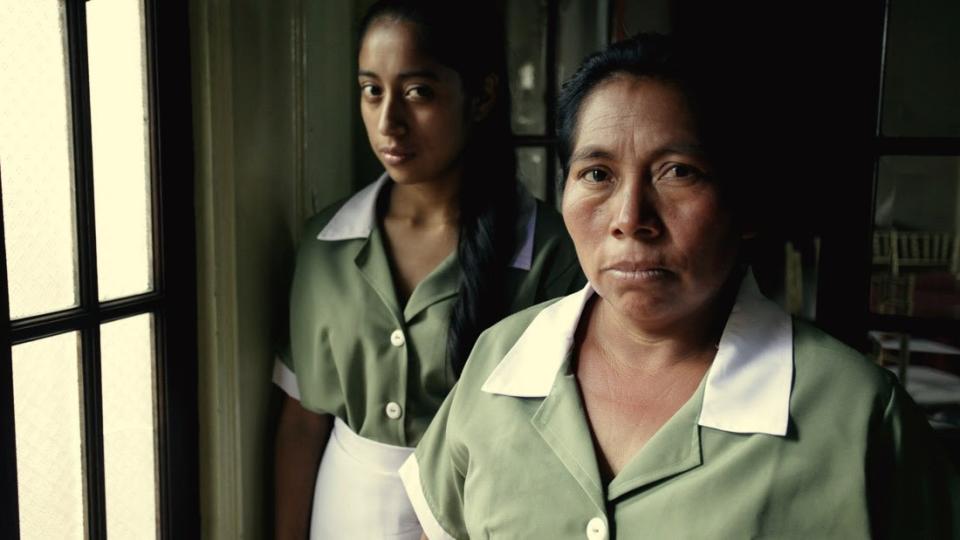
635, 212
392, 117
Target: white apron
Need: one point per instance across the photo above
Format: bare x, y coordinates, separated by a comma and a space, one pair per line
359, 494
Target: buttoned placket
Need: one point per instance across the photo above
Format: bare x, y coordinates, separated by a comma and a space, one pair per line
441, 284
372, 263
562, 423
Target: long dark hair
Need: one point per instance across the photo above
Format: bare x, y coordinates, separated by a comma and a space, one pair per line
471, 42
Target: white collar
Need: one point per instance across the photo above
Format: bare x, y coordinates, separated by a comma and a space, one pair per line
747, 388
357, 217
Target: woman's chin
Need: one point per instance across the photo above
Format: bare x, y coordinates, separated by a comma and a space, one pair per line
635, 305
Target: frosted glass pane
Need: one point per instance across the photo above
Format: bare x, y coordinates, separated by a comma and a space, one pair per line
121, 159
527, 54
47, 411
36, 166
129, 427
922, 74
532, 170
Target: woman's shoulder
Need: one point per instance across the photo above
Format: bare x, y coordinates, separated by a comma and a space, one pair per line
349, 218
495, 342
826, 366
318, 221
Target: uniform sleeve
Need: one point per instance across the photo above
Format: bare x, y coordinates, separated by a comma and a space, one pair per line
310, 355
433, 478
914, 488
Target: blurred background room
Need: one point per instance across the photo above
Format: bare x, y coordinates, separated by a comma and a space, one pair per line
158, 158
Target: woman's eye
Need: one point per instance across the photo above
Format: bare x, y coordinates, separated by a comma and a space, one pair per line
681, 172
420, 92
370, 91
595, 175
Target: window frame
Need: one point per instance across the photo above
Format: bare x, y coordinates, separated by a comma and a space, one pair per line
905, 146
547, 141
172, 302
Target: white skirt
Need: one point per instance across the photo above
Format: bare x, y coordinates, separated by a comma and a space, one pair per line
359, 494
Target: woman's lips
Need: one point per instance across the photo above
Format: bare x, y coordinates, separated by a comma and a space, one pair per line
396, 156
631, 271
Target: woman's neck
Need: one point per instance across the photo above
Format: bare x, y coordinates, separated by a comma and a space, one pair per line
425, 203
634, 346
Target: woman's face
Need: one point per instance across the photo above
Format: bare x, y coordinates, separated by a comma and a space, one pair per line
413, 108
649, 225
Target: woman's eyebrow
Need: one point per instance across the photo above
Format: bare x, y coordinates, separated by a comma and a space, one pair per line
415, 74
419, 74
590, 152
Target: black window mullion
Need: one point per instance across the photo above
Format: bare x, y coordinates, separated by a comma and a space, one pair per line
95, 501
9, 501
527, 141
51, 324
881, 82
917, 146
174, 264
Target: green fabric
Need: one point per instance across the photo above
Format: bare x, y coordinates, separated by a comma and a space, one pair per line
858, 461
343, 309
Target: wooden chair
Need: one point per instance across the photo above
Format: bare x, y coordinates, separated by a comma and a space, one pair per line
905, 253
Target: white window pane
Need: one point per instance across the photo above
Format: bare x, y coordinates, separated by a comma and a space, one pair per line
527, 41
47, 411
36, 166
121, 159
532, 170
129, 427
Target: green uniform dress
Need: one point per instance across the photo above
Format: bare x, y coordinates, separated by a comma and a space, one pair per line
790, 435
377, 365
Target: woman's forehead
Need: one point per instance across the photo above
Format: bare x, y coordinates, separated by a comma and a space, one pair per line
636, 107
390, 49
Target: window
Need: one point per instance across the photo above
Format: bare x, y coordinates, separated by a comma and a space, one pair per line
916, 241
97, 297
547, 41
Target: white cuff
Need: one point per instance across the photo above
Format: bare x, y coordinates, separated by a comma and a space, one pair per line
286, 379
410, 474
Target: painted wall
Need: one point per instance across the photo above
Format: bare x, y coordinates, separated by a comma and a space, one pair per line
273, 100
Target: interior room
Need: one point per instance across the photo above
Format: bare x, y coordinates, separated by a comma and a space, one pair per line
159, 161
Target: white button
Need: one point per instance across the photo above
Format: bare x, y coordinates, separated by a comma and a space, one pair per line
393, 410
397, 339
597, 529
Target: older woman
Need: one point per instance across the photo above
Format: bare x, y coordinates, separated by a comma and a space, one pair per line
668, 398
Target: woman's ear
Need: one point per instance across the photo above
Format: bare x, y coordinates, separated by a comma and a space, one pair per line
483, 104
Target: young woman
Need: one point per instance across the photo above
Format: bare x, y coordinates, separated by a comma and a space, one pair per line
393, 285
